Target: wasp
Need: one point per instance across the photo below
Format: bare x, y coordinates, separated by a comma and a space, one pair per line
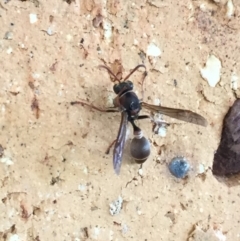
129, 105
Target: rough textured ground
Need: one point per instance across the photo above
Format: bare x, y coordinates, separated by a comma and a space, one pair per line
56, 183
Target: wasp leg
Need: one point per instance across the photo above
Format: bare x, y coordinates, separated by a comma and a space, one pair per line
110, 146
143, 78
110, 109
141, 117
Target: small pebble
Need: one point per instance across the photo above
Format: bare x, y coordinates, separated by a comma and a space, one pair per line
140, 172
179, 167
69, 37
124, 228
135, 42
49, 31
230, 9
116, 206
81, 187
162, 130
8, 35
107, 30
201, 169
97, 21
9, 50
212, 70
33, 18
13, 237
234, 81
153, 50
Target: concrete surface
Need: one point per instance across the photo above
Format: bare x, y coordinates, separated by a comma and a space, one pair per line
56, 182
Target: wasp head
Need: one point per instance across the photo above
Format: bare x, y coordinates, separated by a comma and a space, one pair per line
122, 87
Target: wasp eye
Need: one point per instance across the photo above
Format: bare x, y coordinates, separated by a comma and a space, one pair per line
129, 84
116, 88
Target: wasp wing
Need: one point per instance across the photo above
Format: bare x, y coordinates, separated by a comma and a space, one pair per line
184, 115
119, 145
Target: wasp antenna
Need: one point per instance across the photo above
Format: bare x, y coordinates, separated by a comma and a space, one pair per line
137, 67
110, 72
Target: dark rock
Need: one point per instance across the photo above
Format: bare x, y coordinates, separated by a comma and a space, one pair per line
227, 158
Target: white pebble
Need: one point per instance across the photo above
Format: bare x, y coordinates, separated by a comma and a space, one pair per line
162, 131
153, 50
96, 231
230, 9
140, 172
135, 42
33, 18
50, 31
234, 81
14, 237
111, 233
85, 170
81, 187
36, 75
124, 228
69, 37
157, 101
21, 45
107, 30
3, 109
212, 71
201, 169
220, 235
8, 35
204, 7
139, 212
9, 50
116, 206
7, 161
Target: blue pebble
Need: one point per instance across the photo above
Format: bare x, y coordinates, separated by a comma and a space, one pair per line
179, 167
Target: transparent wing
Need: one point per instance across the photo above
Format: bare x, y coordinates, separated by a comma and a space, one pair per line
119, 145
184, 115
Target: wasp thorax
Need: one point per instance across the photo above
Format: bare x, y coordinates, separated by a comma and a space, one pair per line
140, 149
125, 85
